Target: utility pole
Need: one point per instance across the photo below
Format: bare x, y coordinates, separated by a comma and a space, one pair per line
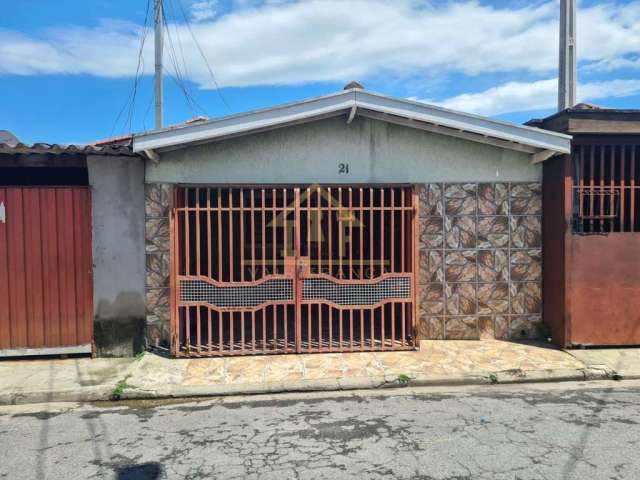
158, 51
567, 66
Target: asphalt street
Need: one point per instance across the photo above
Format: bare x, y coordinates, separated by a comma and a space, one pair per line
561, 431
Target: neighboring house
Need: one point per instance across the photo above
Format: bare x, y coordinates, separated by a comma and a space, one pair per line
71, 249
349, 222
592, 228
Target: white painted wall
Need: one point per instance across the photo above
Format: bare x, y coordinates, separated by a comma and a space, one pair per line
375, 151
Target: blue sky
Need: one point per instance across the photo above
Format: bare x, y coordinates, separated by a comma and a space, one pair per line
68, 68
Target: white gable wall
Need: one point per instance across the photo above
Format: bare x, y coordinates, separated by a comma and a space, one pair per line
375, 151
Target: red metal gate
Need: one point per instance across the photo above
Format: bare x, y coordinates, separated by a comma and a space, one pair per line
45, 269
293, 269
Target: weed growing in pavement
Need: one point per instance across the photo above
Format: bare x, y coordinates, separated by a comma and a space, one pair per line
119, 389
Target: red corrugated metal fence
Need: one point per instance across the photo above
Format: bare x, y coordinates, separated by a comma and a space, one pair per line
45, 267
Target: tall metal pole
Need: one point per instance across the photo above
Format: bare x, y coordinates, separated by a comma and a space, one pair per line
567, 66
158, 52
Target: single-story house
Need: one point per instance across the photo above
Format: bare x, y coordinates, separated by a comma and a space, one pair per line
592, 228
349, 222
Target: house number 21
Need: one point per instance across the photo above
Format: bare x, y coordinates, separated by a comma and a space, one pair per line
343, 168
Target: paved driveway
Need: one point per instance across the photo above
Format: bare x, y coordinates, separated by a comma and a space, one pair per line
516, 432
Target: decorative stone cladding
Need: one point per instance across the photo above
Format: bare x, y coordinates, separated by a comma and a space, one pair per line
480, 261
157, 255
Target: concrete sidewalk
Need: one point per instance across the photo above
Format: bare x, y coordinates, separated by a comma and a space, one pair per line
622, 363
436, 363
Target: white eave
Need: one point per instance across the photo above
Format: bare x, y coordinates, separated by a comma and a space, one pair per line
540, 143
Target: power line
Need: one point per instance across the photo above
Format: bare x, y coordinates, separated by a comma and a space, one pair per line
179, 78
131, 99
195, 40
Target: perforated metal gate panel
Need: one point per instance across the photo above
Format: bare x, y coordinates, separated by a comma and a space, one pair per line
293, 269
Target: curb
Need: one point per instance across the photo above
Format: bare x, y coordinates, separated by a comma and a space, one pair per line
104, 392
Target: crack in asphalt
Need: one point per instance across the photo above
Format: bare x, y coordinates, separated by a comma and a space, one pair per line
540, 435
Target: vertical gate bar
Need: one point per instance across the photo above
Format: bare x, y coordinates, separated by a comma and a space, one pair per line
319, 267
602, 187
187, 237
198, 257
361, 220
309, 254
309, 330
297, 280
263, 238
175, 233
253, 235
612, 159
263, 315
591, 185
350, 233
231, 279
319, 326
209, 259
242, 332
362, 339
393, 229
403, 261
330, 232
415, 213
274, 224
231, 336
319, 231
341, 312
330, 327
633, 188
187, 330
253, 331
286, 329
351, 329
393, 325
209, 332
373, 325
219, 218
220, 331
622, 189
285, 222
241, 244
383, 255
198, 330
308, 210
371, 234
340, 239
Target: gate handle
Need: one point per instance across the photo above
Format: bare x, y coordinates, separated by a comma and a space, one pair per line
3, 213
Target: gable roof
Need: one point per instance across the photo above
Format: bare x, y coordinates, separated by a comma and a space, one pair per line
355, 101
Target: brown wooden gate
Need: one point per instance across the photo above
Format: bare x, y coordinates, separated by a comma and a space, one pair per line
293, 269
45, 270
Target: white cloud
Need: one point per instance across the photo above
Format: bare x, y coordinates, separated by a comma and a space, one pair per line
282, 42
204, 10
610, 65
538, 95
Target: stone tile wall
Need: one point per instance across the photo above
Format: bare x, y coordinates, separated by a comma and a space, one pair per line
480, 260
157, 252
